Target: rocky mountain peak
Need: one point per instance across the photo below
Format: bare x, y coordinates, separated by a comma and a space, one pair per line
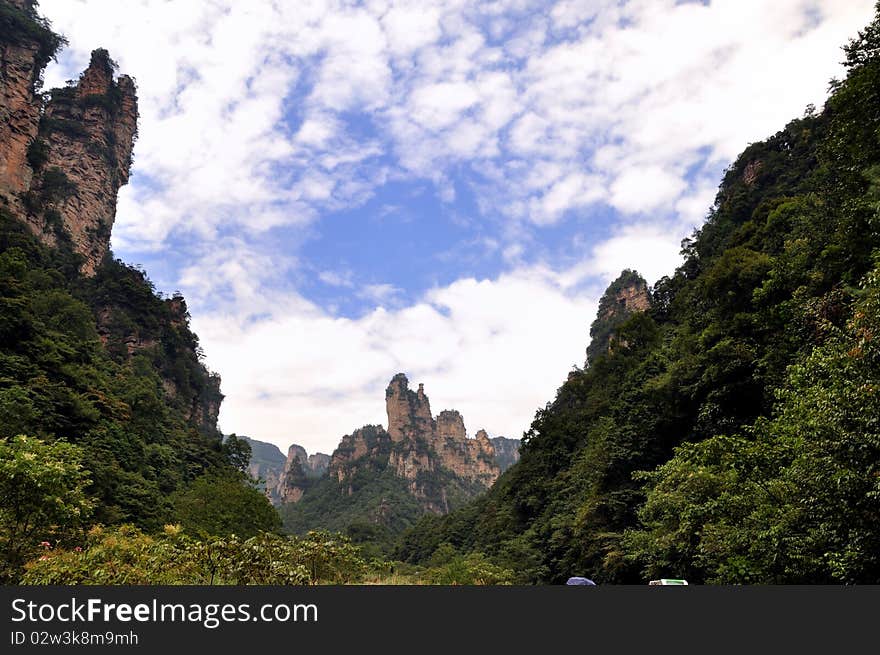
409, 412
625, 296
423, 450
299, 469
506, 451
98, 77
63, 157
450, 424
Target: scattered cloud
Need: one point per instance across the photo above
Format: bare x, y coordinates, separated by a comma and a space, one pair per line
496, 350
572, 138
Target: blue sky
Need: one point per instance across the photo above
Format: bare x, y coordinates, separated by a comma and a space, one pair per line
347, 190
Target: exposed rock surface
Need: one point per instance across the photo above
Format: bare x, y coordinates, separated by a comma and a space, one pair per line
506, 451
63, 160
89, 133
627, 295
63, 157
752, 171
319, 463
297, 474
409, 413
266, 464
19, 110
427, 452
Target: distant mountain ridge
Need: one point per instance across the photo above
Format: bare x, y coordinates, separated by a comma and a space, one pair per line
506, 451
271, 468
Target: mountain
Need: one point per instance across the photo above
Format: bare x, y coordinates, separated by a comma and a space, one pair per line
724, 426
283, 478
65, 157
506, 452
381, 480
266, 463
299, 472
627, 295
91, 356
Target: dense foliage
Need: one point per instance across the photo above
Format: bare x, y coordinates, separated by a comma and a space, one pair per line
221, 504
19, 26
57, 379
42, 487
750, 389
108, 366
794, 498
125, 555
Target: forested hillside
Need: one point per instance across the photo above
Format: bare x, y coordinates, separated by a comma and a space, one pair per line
107, 413
730, 432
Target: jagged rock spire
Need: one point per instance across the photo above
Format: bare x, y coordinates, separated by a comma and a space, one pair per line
62, 162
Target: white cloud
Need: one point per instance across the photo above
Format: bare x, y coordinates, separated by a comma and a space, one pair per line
633, 93
641, 189
496, 350
410, 27
575, 190
381, 294
336, 278
547, 109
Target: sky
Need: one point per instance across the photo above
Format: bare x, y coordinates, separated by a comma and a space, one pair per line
344, 191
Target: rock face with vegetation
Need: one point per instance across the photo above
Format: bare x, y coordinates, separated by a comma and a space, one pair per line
627, 295
82, 155
63, 158
420, 445
506, 451
380, 481
266, 464
299, 472
27, 44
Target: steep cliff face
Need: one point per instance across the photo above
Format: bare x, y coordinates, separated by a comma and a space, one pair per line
380, 482
266, 464
133, 323
87, 133
627, 295
26, 45
299, 472
418, 448
95, 355
62, 159
506, 451
319, 463
409, 413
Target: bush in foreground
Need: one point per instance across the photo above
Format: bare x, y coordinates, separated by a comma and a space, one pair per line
126, 556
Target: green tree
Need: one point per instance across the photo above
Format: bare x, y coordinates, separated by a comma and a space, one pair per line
796, 497
238, 452
222, 505
42, 498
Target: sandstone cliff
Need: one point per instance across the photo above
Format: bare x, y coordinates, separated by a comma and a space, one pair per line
266, 464
26, 46
64, 156
299, 471
423, 450
506, 451
627, 295
381, 482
